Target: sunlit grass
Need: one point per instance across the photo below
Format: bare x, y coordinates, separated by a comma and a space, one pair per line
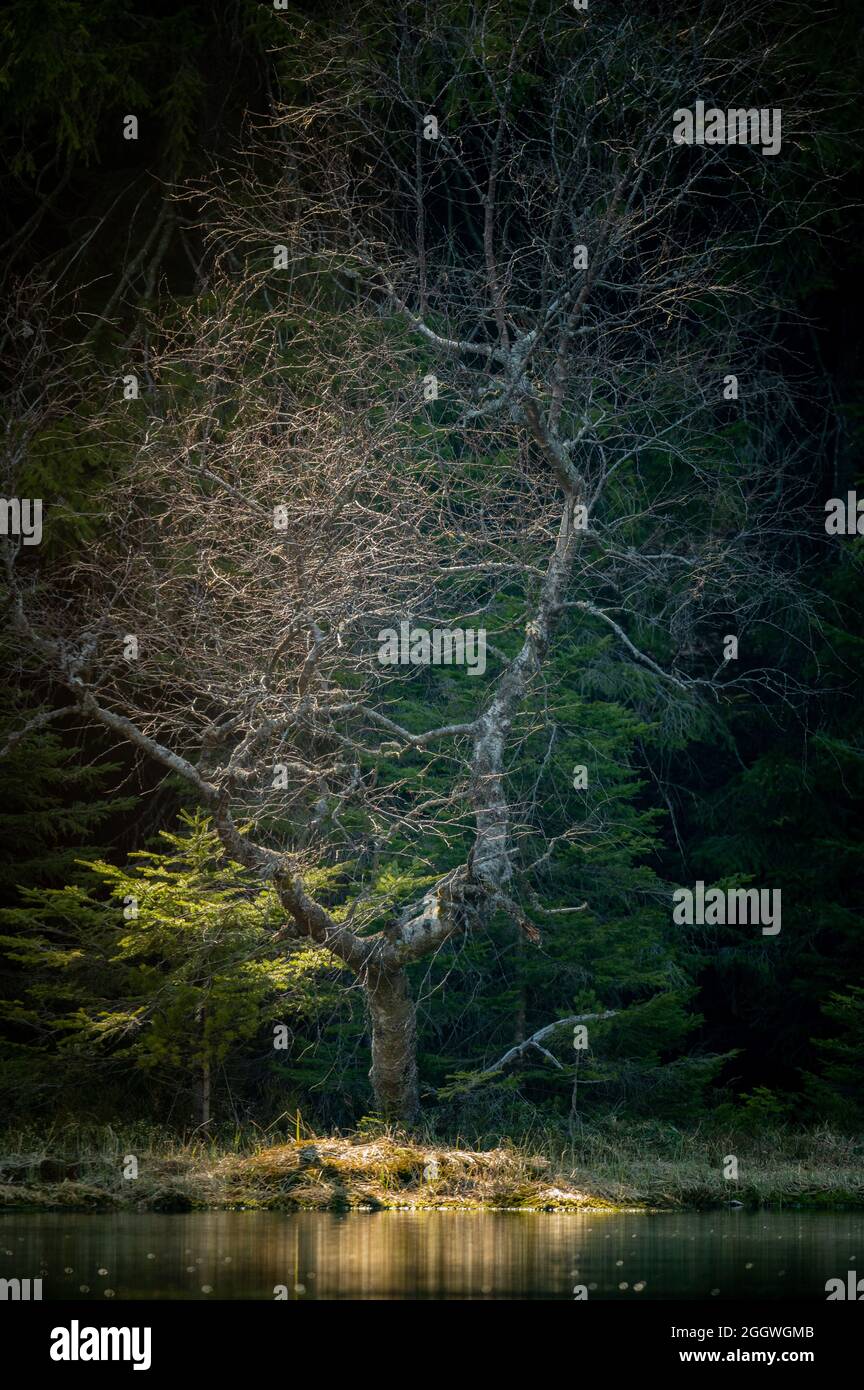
606, 1165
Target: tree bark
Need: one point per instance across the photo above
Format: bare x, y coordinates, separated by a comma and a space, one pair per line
204, 1093
393, 1023
204, 1078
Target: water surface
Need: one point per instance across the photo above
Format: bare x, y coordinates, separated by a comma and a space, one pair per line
418, 1255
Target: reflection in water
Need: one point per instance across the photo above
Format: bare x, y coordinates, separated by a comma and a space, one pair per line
315, 1255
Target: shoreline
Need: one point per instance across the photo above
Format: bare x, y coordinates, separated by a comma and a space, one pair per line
387, 1174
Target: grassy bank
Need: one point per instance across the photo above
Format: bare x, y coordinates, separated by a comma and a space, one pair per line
646, 1166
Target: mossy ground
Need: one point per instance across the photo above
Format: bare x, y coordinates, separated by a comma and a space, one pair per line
393, 1171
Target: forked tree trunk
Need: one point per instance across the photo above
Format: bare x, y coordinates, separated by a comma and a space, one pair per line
393, 1024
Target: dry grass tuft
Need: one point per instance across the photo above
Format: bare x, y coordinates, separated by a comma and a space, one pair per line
393, 1171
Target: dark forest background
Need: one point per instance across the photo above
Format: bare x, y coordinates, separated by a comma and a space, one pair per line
107, 1018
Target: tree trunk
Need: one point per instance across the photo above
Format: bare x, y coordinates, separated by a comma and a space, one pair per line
393, 1020
204, 1093
204, 1078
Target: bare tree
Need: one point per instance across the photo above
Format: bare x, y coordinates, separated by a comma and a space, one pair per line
463, 361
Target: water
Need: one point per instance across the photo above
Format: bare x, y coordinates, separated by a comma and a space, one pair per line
392, 1255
